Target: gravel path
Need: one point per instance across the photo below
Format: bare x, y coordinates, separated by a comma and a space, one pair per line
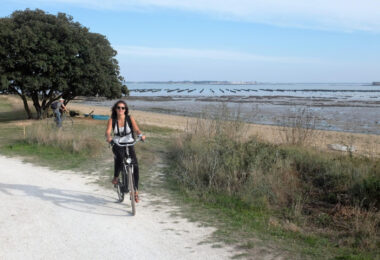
47, 214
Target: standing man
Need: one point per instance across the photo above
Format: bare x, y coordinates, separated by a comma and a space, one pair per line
58, 108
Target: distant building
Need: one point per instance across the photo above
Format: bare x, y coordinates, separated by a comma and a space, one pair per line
376, 83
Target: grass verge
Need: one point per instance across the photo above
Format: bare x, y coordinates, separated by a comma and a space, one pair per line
315, 204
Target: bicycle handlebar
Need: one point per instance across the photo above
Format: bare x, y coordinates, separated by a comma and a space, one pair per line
127, 144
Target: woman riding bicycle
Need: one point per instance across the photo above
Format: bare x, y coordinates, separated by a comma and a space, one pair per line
124, 128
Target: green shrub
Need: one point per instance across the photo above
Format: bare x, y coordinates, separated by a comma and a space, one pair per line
214, 157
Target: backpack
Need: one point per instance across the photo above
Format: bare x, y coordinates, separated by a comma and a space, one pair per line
54, 105
127, 121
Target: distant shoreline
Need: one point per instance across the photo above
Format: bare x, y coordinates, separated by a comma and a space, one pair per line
224, 82
201, 82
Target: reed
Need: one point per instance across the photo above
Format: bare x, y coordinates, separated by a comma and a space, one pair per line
298, 127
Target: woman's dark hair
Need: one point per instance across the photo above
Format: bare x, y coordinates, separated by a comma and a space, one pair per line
114, 108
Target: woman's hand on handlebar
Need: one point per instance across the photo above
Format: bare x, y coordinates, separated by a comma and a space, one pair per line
142, 137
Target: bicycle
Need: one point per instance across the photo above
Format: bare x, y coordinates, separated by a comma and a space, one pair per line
126, 182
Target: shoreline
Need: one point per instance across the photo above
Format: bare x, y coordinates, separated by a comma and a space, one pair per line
195, 115
329, 114
362, 143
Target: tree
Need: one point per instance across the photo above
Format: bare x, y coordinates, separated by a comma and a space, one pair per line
45, 57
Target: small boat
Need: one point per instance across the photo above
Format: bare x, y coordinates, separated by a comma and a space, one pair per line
100, 117
89, 114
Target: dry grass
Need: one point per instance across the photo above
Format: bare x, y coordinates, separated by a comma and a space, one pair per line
298, 128
76, 140
216, 156
360, 226
224, 123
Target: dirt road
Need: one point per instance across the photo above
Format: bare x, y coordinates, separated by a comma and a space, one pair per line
47, 214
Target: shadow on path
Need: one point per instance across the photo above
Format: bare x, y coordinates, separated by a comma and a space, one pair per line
85, 202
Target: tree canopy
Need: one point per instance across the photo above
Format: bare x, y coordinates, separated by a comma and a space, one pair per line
45, 57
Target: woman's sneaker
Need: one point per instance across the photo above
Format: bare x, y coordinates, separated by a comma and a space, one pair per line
137, 197
115, 180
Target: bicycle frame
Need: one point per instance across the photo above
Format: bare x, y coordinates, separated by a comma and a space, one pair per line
127, 178
128, 169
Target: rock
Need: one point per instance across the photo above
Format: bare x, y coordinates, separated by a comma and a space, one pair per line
341, 147
292, 227
274, 222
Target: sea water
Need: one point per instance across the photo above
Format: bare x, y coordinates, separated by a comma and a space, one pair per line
349, 107
346, 91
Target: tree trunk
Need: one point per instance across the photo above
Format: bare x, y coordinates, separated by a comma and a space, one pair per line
45, 112
46, 102
26, 107
45, 108
37, 106
24, 100
67, 100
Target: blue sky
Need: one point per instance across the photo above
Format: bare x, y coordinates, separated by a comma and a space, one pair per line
237, 40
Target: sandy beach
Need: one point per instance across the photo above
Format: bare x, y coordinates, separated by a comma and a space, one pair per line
365, 144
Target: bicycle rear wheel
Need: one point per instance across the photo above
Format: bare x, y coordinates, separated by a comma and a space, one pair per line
131, 189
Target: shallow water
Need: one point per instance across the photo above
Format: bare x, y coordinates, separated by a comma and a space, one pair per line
345, 91
341, 107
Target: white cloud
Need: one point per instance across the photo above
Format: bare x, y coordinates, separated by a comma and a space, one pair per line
342, 15
183, 53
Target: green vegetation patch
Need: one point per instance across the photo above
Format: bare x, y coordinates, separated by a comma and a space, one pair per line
46, 155
323, 201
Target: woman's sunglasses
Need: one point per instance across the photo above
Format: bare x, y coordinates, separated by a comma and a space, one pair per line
122, 108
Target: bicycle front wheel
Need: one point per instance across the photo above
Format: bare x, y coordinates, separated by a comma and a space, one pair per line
132, 189
120, 187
